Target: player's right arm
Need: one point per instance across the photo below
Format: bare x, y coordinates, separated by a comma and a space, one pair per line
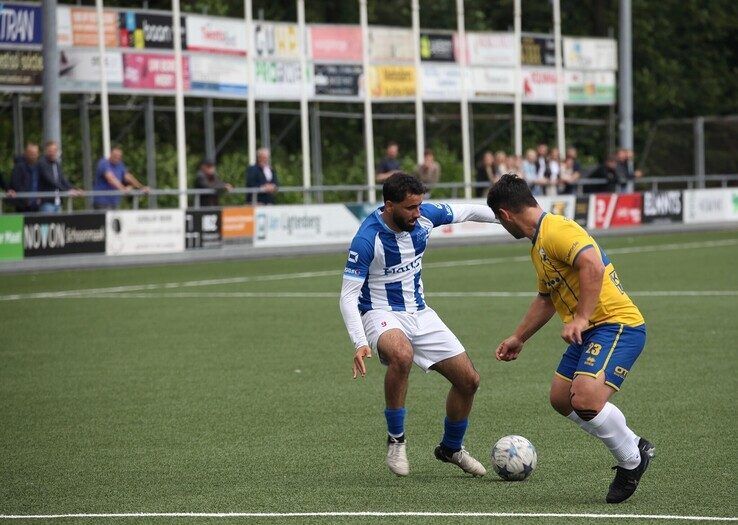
360, 257
539, 313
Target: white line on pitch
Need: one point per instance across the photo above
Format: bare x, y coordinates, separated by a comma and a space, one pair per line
334, 273
366, 514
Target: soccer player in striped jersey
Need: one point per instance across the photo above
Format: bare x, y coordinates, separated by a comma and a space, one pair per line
384, 310
603, 327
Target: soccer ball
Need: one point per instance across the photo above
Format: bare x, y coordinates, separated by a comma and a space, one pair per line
514, 458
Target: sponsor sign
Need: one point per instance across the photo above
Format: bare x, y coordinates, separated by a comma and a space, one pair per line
20, 24
63, 26
440, 81
539, 84
304, 225
141, 232
713, 205
491, 49
537, 51
443, 82
237, 222
276, 40
590, 53
63, 234
79, 69
612, 210
662, 207
222, 74
389, 44
436, 47
202, 229
336, 43
589, 87
147, 31
217, 35
155, 72
490, 82
277, 80
11, 237
338, 80
83, 27
21, 68
392, 81
581, 211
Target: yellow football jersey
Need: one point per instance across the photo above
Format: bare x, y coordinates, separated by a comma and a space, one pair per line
557, 243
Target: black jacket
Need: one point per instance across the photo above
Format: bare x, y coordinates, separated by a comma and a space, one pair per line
50, 179
21, 180
255, 178
202, 181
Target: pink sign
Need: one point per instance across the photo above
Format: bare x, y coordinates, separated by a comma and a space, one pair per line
336, 43
141, 71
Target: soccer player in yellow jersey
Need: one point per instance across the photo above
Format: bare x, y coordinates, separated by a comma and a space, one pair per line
604, 329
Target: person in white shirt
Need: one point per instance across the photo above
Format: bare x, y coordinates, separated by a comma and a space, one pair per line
262, 175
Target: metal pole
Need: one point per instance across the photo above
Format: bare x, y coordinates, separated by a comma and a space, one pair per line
518, 104
560, 131
209, 128
18, 135
84, 126
699, 151
265, 131
625, 100
368, 124
465, 146
316, 154
304, 123
251, 102
104, 110
179, 107
419, 114
150, 148
52, 119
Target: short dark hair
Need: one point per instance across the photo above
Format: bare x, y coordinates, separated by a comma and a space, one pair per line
399, 185
392, 143
118, 147
512, 193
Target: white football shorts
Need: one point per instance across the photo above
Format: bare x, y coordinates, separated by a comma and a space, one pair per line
431, 339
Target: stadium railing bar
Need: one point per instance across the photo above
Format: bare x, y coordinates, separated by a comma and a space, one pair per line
456, 189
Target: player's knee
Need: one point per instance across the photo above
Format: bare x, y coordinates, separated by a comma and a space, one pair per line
401, 358
469, 384
560, 403
585, 403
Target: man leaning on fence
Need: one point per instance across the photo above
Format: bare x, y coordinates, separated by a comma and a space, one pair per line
24, 179
263, 176
207, 178
113, 174
51, 178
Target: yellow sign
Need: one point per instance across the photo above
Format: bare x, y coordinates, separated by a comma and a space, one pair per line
392, 81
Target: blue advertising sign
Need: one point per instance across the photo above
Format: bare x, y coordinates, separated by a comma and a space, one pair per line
20, 24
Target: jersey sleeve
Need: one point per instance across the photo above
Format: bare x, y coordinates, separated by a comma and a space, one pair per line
566, 242
360, 256
438, 213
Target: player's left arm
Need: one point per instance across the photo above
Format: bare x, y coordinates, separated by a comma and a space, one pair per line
442, 213
591, 270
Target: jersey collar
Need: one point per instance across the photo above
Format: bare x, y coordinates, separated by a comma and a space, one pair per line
538, 227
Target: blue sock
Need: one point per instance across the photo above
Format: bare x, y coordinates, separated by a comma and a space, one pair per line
453, 434
395, 421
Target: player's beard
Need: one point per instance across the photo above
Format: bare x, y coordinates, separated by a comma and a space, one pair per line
403, 224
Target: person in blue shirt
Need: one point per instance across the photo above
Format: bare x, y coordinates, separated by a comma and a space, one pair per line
24, 179
390, 163
113, 174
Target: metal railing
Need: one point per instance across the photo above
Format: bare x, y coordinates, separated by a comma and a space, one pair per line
456, 190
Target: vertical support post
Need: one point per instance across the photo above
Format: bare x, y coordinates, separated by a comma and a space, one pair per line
209, 128
465, 146
84, 126
625, 66
179, 107
368, 124
699, 151
560, 80
104, 110
518, 104
51, 101
251, 101
316, 154
304, 110
150, 148
419, 113
18, 133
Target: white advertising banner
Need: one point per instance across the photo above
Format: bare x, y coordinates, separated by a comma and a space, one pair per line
390, 45
590, 87
304, 225
486, 82
278, 80
491, 49
590, 53
713, 205
221, 74
539, 84
440, 82
139, 232
217, 35
276, 40
79, 69
63, 26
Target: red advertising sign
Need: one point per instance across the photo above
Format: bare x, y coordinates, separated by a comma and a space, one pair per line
142, 71
336, 43
615, 210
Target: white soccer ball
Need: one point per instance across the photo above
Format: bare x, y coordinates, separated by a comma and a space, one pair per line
514, 458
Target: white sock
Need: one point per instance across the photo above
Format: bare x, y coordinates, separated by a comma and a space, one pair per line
609, 426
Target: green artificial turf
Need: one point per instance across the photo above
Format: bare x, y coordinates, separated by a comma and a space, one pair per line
155, 402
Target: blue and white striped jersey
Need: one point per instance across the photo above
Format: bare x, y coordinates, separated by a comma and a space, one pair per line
389, 263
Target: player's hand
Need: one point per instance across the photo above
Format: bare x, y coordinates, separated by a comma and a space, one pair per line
359, 365
572, 331
509, 349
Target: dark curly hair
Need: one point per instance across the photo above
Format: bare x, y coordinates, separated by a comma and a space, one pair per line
512, 193
399, 185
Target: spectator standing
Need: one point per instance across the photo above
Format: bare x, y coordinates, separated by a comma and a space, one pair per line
531, 173
626, 173
51, 178
207, 178
429, 172
542, 161
571, 172
263, 176
113, 174
390, 163
24, 178
501, 165
607, 173
485, 173
554, 171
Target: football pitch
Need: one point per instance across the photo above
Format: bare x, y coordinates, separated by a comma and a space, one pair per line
226, 388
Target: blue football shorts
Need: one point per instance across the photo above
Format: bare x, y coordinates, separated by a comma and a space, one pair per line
609, 348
